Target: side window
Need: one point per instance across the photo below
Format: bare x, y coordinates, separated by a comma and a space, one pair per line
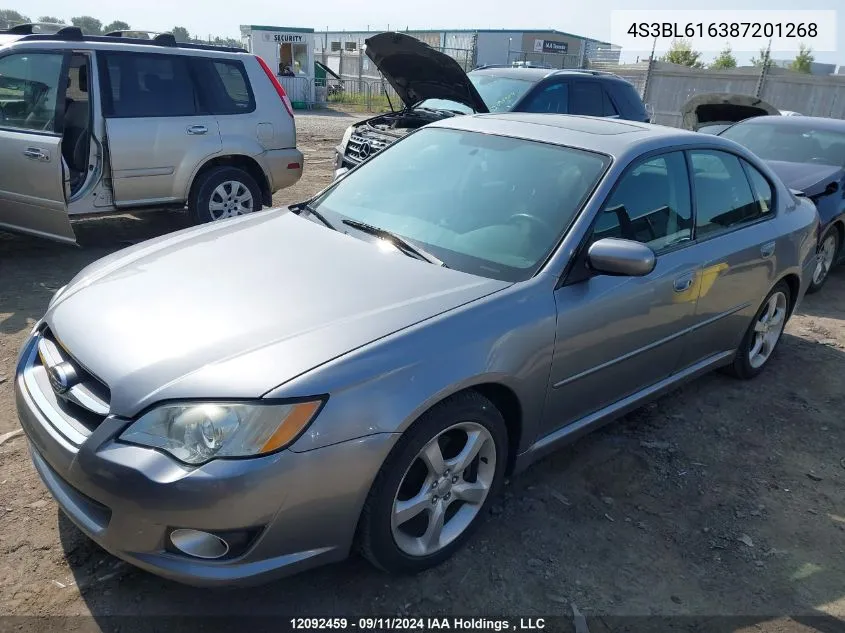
586, 97
223, 86
651, 204
552, 98
147, 85
761, 188
609, 108
723, 197
29, 84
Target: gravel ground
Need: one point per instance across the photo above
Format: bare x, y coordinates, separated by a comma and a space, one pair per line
722, 498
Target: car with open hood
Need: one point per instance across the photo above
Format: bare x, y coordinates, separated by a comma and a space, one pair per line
397, 348
808, 153
432, 86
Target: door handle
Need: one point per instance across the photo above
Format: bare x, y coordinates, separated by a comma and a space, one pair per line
767, 249
197, 129
36, 154
684, 282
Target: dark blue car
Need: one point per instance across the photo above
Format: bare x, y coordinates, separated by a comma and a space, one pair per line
808, 153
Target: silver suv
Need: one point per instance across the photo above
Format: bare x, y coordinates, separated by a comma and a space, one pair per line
93, 125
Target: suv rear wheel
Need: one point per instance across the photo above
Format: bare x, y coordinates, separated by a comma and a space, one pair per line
224, 192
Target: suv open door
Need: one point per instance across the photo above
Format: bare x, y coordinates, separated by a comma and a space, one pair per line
32, 180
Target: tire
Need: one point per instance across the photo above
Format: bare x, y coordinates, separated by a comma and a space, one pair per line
827, 256
746, 365
395, 549
220, 180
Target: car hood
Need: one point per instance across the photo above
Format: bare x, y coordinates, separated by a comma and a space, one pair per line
236, 308
808, 178
418, 72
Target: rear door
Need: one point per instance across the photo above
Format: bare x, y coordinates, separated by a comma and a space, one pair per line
737, 245
586, 97
32, 177
157, 133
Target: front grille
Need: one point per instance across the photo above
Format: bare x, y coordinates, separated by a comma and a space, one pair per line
74, 407
361, 147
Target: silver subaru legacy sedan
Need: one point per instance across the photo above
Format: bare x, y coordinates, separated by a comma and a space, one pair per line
382, 356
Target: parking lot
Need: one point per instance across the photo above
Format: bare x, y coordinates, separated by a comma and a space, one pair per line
722, 498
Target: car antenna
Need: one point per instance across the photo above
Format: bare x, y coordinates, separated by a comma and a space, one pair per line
387, 94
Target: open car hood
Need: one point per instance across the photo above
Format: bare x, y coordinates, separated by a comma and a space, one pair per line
418, 72
723, 107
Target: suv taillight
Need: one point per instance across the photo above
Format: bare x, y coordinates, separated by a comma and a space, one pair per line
279, 90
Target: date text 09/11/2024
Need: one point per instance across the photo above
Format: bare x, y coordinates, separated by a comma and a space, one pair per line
418, 624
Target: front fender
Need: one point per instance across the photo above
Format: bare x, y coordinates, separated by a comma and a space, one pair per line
506, 339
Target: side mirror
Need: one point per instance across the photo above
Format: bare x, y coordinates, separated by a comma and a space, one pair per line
832, 187
626, 258
340, 173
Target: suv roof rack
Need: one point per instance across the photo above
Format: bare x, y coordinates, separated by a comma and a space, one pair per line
30, 28
163, 39
588, 71
74, 33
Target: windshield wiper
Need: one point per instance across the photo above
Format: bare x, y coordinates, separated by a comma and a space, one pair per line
316, 214
398, 242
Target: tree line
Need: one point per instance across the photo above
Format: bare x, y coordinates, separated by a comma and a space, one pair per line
92, 26
680, 52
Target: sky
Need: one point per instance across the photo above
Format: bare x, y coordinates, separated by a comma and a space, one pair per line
223, 17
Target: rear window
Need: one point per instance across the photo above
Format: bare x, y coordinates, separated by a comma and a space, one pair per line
223, 86
626, 96
147, 85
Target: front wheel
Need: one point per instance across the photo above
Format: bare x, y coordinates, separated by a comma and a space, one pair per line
435, 486
224, 192
763, 334
825, 258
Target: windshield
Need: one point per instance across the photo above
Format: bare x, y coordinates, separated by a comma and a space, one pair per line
500, 94
488, 205
797, 144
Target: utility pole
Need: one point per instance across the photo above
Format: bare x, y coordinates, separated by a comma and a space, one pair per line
761, 80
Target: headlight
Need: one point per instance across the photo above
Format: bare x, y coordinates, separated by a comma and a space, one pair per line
197, 432
345, 140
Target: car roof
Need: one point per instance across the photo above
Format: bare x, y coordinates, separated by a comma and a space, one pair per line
797, 122
607, 136
538, 74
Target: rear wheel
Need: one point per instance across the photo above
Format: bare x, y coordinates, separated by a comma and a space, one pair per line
433, 489
224, 192
825, 258
763, 334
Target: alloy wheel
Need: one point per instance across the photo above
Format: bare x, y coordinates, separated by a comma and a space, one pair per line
824, 261
443, 489
767, 330
229, 199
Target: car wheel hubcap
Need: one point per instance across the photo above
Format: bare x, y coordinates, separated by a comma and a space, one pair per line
767, 330
443, 489
824, 260
229, 199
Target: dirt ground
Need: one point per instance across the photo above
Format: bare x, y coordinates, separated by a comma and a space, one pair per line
723, 498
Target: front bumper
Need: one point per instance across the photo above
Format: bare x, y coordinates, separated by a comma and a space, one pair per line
304, 507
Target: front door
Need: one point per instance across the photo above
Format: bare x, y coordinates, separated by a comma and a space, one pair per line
618, 335
32, 177
156, 131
